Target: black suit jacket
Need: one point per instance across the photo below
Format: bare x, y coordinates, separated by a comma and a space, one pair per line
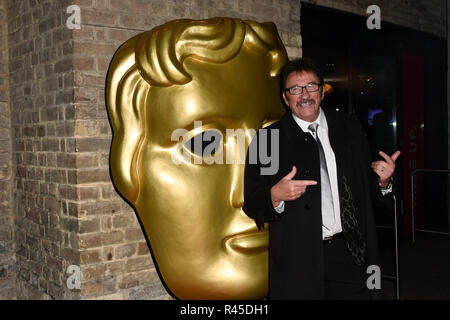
296, 247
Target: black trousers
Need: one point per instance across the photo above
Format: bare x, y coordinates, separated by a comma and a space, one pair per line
344, 280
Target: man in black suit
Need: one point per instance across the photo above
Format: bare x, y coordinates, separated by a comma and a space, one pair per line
319, 204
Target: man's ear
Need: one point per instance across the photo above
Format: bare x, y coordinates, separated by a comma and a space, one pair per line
322, 93
285, 99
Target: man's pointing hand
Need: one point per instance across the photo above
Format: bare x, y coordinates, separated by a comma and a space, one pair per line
287, 189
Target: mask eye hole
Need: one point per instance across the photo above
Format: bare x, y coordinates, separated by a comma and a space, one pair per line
205, 144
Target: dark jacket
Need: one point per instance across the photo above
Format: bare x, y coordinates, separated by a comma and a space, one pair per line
296, 247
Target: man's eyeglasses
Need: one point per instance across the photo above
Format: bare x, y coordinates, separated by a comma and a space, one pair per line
310, 87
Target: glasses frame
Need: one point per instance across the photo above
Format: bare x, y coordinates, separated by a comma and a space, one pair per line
303, 88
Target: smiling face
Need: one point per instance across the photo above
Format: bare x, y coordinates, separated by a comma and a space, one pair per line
204, 244
306, 105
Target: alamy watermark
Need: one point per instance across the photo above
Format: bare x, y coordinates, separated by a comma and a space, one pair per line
74, 280
374, 20
74, 20
374, 280
208, 147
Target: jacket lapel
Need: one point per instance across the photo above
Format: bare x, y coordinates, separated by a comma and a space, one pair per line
335, 133
293, 132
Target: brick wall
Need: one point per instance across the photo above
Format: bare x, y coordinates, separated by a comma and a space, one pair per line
42, 119
7, 247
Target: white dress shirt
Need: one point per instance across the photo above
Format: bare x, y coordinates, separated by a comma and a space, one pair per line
330, 219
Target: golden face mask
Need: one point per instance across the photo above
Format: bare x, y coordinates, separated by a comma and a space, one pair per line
197, 76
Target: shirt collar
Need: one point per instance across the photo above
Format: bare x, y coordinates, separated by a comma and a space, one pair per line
321, 120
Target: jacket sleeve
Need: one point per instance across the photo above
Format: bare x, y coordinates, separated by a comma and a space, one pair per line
257, 198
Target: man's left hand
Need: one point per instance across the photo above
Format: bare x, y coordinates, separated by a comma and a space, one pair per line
385, 169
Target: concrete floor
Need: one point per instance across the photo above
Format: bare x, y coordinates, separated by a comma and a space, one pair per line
424, 267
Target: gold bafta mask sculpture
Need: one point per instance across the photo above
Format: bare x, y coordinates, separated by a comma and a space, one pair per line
198, 76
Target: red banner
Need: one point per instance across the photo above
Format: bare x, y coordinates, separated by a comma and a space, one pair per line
412, 136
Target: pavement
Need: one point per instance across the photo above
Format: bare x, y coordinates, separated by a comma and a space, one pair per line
424, 267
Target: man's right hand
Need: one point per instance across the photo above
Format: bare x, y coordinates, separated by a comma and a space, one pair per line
287, 189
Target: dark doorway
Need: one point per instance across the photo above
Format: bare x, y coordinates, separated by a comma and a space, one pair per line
370, 72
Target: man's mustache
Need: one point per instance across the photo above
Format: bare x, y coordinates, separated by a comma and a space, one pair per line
301, 101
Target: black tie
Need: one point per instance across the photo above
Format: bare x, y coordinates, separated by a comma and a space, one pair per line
353, 237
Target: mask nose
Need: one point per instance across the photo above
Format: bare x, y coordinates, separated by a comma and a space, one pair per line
237, 187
